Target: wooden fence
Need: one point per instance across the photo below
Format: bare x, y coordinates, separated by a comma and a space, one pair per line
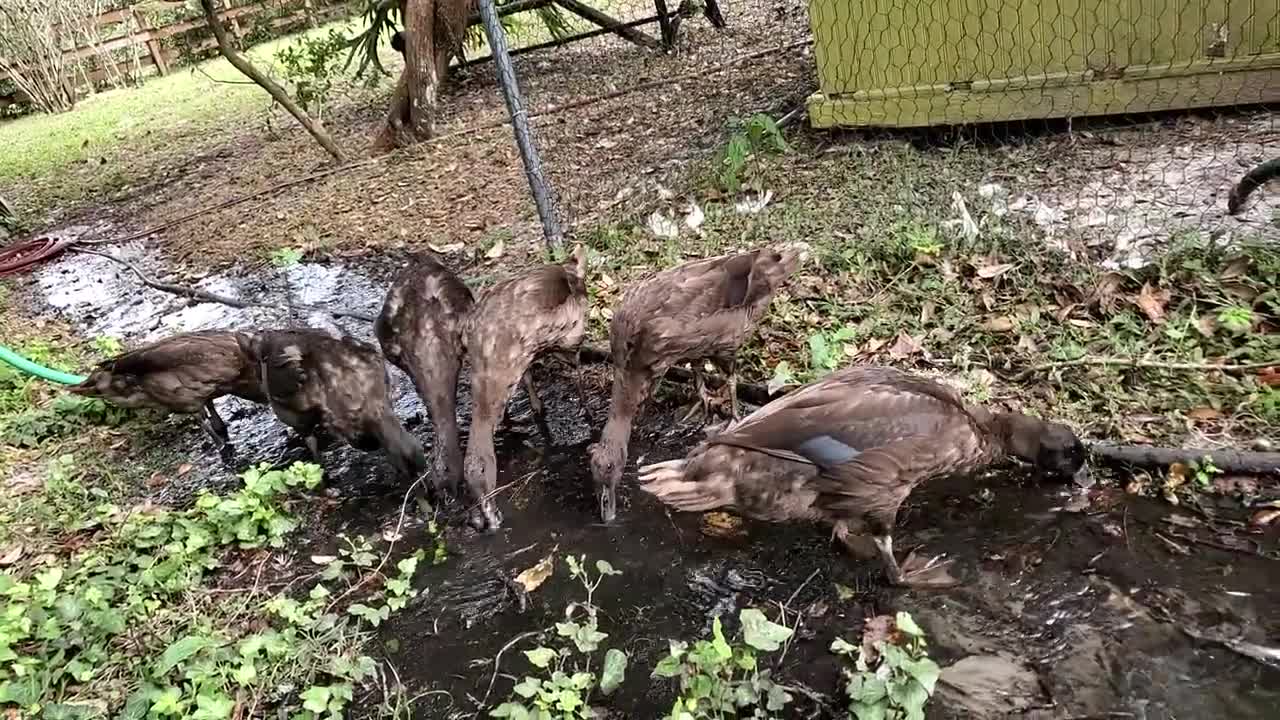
160, 55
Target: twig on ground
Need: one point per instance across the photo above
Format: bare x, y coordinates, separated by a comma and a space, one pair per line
498, 658
205, 296
1136, 363
391, 545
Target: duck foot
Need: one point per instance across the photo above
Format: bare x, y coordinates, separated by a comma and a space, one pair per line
486, 518
914, 573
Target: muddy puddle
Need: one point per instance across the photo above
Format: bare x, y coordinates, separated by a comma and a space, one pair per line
1070, 607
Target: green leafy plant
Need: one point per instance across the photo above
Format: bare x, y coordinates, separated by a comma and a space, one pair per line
564, 690
65, 415
1203, 471
759, 135
893, 679
107, 346
285, 257
1236, 319
827, 349
311, 64
719, 680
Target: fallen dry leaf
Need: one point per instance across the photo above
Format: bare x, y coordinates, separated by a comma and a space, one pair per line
1152, 301
927, 308
11, 554
722, 525
183, 469
448, 249
1203, 414
987, 272
1001, 324
1206, 325
905, 346
156, 480
497, 251
1106, 292
879, 629
1270, 376
531, 578
323, 559
663, 226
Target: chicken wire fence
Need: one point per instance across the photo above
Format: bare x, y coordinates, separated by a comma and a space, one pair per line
1175, 90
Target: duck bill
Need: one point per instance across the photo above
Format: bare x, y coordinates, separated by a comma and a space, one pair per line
1082, 478
608, 504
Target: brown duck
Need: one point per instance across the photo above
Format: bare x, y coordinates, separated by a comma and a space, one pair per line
700, 310
848, 449
420, 330
514, 322
184, 374
316, 382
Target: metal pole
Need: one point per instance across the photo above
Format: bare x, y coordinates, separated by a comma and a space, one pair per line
520, 126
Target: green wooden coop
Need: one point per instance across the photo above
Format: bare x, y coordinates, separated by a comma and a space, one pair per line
911, 63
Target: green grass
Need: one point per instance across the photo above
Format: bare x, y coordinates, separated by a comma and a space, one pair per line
119, 137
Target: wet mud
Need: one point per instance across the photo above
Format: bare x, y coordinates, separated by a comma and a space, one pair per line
1070, 607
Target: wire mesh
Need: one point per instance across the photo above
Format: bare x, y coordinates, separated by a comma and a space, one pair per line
1102, 123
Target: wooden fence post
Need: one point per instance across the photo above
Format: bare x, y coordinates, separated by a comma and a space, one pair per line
153, 45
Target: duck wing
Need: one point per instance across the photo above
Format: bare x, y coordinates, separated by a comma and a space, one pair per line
873, 434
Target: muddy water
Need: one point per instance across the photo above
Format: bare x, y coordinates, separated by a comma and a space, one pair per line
1061, 614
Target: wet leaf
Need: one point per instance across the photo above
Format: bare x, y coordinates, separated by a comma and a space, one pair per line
663, 226
904, 622
994, 270
531, 578
695, 217
540, 656
1203, 414
1000, 324
1152, 301
722, 525
614, 672
761, 633
11, 554
905, 346
783, 376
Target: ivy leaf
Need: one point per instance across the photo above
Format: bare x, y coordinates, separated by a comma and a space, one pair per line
167, 702
667, 667
181, 651
527, 688
614, 672
510, 710
906, 624
925, 672
840, 646
760, 633
604, 568
316, 699
864, 711
718, 643
868, 689
374, 616
541, 656
213, 707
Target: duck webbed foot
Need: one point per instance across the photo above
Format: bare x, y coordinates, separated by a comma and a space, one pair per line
914, 572
700, 408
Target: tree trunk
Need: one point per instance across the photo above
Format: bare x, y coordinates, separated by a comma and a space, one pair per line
239, 62
433, 31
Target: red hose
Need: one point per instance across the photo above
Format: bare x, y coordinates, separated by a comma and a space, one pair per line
21, 256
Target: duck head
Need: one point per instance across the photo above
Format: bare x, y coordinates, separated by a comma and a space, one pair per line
606, 471
120, 388
1053, 448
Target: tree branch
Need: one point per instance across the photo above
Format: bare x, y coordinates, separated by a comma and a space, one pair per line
1234, 461
277, 93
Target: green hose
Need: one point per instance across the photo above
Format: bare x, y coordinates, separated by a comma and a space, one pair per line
39, 371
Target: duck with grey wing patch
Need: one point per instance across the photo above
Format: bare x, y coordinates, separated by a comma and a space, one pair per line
848, 450
691, 312
513, 323
420, 330
317, 382
183, 374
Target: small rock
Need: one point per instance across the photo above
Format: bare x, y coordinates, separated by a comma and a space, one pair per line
990, 686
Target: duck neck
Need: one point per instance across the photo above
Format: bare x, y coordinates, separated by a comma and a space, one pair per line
628, 394
1018, 434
